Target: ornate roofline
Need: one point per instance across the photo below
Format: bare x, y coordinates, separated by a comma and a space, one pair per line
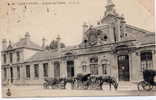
139, 29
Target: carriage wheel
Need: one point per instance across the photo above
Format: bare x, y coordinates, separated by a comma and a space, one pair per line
144, 86
147, 86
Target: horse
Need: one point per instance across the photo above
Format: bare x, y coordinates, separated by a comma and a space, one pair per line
82, 80
107, 79
82, 77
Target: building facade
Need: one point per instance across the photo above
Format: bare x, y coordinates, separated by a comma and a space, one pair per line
110, 48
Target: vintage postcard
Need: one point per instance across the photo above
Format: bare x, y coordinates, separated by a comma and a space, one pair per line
60, 48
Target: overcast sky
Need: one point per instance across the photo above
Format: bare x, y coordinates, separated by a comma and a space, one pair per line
66, 20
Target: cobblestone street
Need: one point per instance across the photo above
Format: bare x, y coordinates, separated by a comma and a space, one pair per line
37, 91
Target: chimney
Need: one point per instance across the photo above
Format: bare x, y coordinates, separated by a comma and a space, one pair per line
123, 26
10, 45
58, 41
27, 37
43, 42
4, 44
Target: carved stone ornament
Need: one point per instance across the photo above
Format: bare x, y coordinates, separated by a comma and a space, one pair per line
92, 36
92, 39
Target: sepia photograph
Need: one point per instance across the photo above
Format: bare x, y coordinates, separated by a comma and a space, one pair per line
77, 48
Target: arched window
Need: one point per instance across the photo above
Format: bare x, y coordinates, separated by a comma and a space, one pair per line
5, 73
36, 71
28, 71
94, 65
18, 72
18, 56
104, 64
84, 66
11, 57
5, 58
146, 60
45, 69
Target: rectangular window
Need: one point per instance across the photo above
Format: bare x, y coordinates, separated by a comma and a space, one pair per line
94, 69
18, 56
5, 73
4, 57
45, 69
28, 71
18, 72
146, 60
11, 57
146, 65
104, 68
36, 71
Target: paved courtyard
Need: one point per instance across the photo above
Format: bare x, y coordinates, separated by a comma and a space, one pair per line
125, 89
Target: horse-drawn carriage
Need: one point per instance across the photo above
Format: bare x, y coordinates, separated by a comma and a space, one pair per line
149, 81
81, 81
89, 81
54, 83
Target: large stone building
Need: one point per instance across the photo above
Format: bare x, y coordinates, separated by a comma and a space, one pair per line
112, 47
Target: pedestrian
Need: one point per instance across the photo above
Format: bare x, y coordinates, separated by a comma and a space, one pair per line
8, 89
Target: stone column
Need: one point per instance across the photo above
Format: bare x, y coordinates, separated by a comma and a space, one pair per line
63, 69
154, 59
14, 73
114, 66
109, 69
20, 66
41, 77
22, 73
51, 69
32, 72
118, 32
8, 73
14, 57
135, 67
2, 74
2, 59
130, 67
111, 34
77, 65
100, 69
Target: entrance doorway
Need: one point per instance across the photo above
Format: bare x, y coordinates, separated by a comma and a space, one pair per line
123, 68
11, 74
70, 69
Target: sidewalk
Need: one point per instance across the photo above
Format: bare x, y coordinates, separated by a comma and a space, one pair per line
125, 89
127, 86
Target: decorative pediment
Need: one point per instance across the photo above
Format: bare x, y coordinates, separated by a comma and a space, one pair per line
69, 56
96, 36
94, 59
